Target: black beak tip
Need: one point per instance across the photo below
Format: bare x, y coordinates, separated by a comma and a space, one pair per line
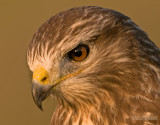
39, 105
40, 93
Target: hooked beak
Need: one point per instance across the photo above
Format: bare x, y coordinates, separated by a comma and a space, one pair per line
40, 93
42, 86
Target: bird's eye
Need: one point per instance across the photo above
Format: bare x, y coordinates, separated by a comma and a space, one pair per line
79, 53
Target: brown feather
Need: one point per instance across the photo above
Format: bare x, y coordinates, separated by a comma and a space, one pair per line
120, 83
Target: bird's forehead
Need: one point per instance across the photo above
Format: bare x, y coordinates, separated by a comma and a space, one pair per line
72, 24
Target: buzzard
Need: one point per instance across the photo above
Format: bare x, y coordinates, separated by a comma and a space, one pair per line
100, 67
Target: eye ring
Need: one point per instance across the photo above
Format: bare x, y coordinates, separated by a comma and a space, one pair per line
79, 53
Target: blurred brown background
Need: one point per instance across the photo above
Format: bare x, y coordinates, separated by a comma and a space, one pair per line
19, 19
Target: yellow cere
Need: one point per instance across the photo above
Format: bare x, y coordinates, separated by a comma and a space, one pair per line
41, 75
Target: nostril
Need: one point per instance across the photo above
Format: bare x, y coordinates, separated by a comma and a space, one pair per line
43, 79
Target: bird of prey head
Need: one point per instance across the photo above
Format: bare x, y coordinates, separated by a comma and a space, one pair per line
99, 65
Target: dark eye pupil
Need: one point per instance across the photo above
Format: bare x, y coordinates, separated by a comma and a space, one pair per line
78, 52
